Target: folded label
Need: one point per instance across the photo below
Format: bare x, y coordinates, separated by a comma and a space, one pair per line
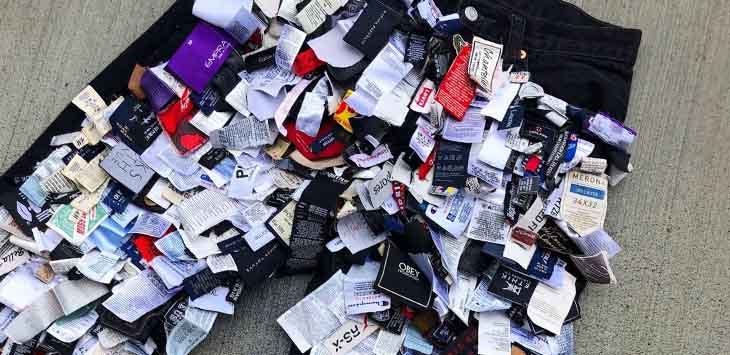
255, 267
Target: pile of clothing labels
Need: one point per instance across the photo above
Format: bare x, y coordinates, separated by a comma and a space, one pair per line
442, 170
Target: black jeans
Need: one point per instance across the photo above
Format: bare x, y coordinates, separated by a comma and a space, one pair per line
573, 56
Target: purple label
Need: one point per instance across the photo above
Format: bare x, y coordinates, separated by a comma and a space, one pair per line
200, 56
158, 94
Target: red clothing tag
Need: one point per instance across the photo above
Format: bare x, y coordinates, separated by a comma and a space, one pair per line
146, 247
306, 62
427, 165
175, 121
303, 142
457, 90
533, 164
399, 194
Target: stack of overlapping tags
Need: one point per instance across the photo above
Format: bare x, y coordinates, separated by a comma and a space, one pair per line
442, 171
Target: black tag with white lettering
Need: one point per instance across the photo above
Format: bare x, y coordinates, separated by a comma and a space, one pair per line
232, 245
513, 118
255, 267
399, 277
235, 288
512, 285
372, 29
528, 185
551, 237
213, 157
450, 165
392, 320
207, 100
200, 283
323, 142
260, 59
416, 51
135, 124
24, 212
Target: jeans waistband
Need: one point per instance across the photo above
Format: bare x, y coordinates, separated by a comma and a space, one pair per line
552, 26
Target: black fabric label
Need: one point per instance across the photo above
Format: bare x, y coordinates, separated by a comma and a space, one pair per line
370, 32
528, 185
512, 285
232, 245
200, 283
450, 164
213, 157
24, 212
235, 291
260, 60
255, 267
399, 277
207, 99
513, 118
416, 51
135, 124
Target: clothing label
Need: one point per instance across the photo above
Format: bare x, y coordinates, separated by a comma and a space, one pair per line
135, 124
584, 202
243, 25
454, 215
457, 90
424, 97
205, 209
242, 133
348, 336
380, 188
512, 286
401, 278
485, 56
595, 267
549, 306
282, 222
469, 130
290, 42
450, 165
494, 334
371, 30
75, 225
416, 50
89, 101
125, 166
494, 152
422, 142
488, 223
355, 233
525, 231
315, 13
200, 56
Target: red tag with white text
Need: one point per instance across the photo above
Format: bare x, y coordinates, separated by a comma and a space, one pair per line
457, 90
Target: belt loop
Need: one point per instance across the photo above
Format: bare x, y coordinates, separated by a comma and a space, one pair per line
515, 40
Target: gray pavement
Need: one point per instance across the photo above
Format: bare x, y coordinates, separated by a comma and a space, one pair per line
671, 216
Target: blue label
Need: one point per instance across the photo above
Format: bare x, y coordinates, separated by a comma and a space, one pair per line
588, 191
